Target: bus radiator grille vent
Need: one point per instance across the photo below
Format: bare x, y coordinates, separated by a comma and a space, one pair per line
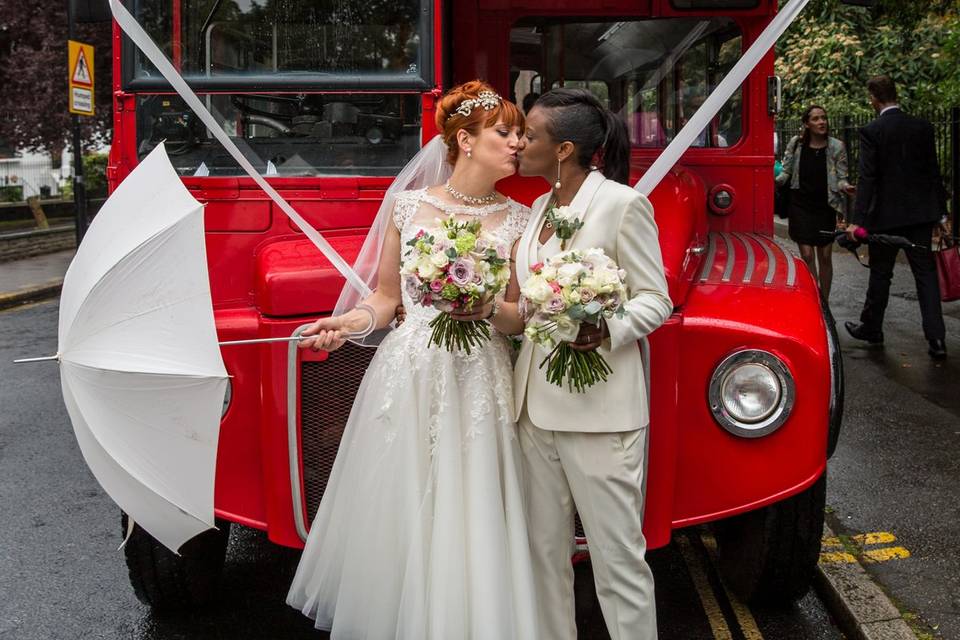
327, 391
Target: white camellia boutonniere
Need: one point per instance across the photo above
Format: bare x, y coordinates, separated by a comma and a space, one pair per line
566, 221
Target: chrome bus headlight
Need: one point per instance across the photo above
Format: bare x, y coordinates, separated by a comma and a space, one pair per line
751, 393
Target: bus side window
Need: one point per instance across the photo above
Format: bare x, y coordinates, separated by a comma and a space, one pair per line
654, 73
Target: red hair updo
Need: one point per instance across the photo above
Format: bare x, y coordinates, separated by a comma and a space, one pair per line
449, 122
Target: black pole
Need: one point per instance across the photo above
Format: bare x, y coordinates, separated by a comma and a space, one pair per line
955, 167
79, 189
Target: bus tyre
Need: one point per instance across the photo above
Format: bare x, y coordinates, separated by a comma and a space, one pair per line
167, 582
769, 556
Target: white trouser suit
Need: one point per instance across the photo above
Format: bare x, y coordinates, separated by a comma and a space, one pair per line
584, 452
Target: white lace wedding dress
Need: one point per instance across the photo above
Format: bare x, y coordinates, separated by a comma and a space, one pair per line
421, 534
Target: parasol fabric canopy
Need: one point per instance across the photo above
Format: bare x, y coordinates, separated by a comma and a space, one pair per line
140, 368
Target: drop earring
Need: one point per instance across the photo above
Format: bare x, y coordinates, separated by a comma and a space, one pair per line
557, 185
469, 155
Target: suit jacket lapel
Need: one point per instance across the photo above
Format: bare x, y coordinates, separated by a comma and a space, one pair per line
584, 198
526, 250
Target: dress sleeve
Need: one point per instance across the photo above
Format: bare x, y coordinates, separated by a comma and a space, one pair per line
519, 216
788, 161
404, 208
843, 174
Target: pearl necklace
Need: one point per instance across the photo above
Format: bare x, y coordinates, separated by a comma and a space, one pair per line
475, 200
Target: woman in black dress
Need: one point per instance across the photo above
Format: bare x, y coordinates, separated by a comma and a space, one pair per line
816, 167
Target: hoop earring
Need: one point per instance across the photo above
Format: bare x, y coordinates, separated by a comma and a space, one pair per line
557, 185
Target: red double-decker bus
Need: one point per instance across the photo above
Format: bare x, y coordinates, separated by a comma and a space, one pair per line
329, 100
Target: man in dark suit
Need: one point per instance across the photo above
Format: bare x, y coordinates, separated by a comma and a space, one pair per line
899, 192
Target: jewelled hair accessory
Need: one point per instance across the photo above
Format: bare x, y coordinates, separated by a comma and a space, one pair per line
486, 99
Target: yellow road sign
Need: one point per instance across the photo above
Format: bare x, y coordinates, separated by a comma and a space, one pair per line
80, 71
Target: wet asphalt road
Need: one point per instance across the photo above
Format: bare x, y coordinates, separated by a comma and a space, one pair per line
897, 467
896, 470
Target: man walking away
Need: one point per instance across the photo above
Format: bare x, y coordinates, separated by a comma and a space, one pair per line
900, 193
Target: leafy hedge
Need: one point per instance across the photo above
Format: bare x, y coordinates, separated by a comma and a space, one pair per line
828, 54
94, 177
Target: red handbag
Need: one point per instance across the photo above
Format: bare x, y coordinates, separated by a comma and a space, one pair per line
948, 270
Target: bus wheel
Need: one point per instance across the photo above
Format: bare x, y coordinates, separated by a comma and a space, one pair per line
769, 556
168, 582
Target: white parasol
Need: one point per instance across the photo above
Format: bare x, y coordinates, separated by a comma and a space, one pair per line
141, 372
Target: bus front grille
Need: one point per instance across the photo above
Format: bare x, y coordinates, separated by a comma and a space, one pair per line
327, 391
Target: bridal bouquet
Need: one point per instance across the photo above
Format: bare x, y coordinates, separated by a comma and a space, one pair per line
570, 288
458, 267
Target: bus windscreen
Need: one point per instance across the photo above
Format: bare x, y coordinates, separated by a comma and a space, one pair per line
235, 43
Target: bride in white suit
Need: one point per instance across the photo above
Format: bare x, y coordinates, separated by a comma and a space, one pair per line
585, 451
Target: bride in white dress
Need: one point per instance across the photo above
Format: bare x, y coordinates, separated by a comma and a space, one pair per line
420, 534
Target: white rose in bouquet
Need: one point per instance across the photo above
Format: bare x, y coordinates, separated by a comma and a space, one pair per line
537, 290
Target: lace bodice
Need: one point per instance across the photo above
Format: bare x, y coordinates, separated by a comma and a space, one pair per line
507, 219
416, 210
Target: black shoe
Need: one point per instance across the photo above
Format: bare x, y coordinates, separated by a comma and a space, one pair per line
860, 333
938, 349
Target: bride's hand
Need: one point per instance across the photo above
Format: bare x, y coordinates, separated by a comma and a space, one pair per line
327, 334
481, 312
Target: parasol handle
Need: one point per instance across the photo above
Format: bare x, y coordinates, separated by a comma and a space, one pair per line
350, 336
44, 359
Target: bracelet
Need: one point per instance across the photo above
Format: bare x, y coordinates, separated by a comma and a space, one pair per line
494, 309
370, 326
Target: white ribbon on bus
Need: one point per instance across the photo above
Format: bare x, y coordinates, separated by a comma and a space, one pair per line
140, 38
664, 162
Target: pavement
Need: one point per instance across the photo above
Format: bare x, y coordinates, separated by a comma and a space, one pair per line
33, 279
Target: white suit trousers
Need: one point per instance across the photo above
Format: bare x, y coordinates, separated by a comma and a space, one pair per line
599, 475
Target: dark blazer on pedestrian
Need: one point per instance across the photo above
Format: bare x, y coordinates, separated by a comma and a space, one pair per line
899, 183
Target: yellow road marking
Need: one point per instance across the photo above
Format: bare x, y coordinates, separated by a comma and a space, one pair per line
710, 605
837, 557
833, 545
878, 537
747, 623
885, 554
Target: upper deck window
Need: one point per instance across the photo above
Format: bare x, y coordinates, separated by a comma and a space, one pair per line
295, 44
654, 72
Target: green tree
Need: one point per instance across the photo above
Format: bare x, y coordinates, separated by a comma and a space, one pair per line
828, 54
33, 74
